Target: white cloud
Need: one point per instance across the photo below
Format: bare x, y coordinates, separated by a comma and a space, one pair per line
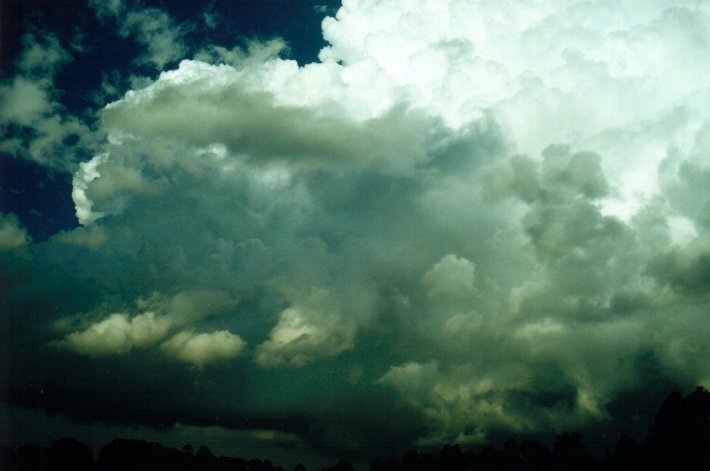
413, 379
119, 333
35, 126
42, 55
151, 27
24, 101
155, 29
549, 72
202, 348
306, 332
256, 52
87, 173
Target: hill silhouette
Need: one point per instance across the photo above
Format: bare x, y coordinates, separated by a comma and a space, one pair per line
678, 439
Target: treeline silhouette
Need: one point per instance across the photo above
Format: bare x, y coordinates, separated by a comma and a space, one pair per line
678, 439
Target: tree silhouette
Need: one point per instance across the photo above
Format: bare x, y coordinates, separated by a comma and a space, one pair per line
627, 455
569, 452
139, 455
68, 454
679, 438
8, 458
452, 458
388, 464
414, 460
30, 457
341, 466
204, 453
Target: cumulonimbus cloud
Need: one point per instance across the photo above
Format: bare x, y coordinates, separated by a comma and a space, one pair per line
492, 212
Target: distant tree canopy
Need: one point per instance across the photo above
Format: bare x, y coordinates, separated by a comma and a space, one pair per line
677, 440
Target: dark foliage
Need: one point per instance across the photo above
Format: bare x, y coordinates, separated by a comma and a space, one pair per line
140, 455
626, 455
678, 439
67, 454
8, 458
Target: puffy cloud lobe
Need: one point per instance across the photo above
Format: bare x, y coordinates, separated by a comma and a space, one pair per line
202, 348
583, 251
686, 269
82, 203
413, 379
255, 125
451, 276
12, 234
306, 332
562, 177
684, 175
466, 402
548, 72
119, 333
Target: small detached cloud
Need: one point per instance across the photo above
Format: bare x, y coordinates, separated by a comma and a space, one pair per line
34, 125
153, 28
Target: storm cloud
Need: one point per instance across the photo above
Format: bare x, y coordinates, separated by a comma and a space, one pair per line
466, 218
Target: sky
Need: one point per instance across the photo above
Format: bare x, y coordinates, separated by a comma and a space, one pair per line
308, 231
